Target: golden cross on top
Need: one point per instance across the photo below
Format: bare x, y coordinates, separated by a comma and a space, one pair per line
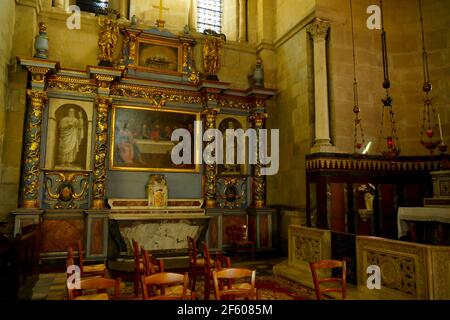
161, 8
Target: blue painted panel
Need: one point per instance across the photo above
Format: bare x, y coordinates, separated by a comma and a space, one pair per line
123, 184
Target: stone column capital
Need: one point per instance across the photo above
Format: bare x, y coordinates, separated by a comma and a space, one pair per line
318, 29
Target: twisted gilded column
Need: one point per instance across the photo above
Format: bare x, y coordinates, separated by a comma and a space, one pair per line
32, 156
209, 116
259, 181
101, 139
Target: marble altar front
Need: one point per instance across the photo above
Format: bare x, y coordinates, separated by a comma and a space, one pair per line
161, 230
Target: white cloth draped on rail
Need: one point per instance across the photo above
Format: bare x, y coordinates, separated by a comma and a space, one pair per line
427, 214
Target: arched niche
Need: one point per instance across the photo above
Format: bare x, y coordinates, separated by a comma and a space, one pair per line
232, 122
69, 135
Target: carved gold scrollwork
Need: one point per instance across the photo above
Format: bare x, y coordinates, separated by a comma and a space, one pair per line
32, 148
72, 84
65, 195
38, 74
259, 181
101, 137
209, 117
104, 81
156, 96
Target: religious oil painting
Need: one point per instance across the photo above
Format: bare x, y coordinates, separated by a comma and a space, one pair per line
158, 57
142, 139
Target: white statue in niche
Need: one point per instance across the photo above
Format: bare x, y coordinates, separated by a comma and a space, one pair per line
157, 191
71, 133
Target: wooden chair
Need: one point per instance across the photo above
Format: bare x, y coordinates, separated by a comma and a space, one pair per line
100, 285
234, 290
195, 263
329, 264
90, 270
138, 268
150, 263
220, 263
173, 286
241, 243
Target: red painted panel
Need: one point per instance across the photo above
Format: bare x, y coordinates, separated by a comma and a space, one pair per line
213, 232
264, 230
228, 221
338, 210
97, 236
58, 235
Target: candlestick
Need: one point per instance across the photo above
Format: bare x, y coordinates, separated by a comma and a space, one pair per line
440, 129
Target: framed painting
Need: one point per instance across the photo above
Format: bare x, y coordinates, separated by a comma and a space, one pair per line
159, 56
141, 139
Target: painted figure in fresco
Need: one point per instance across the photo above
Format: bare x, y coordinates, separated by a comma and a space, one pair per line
71, 133
128, 150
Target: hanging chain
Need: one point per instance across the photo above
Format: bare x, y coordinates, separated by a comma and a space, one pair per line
357, 143
392, 141
429, 114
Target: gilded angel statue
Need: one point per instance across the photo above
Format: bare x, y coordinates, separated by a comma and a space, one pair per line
108, 36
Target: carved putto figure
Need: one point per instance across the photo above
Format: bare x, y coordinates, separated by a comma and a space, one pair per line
211, 52
71, 133
108, 35
157, 191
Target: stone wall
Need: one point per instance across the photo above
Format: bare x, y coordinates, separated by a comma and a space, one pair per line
293, 112
7, 14
405, 64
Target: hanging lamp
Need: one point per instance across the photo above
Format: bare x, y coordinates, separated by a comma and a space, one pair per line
359, 140
429, 136
388, 141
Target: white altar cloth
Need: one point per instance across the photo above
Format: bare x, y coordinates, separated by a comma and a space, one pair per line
407, 214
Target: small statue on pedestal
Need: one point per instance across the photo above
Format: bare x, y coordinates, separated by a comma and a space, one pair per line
157, 191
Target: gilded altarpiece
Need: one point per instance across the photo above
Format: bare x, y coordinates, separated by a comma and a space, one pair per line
75, 165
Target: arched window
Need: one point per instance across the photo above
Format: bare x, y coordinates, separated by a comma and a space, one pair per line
93, 5
209, 15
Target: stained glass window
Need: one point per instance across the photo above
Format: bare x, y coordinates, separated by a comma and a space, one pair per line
93, 5
209, 15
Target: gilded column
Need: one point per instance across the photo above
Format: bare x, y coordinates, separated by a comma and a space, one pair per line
318, 31
259, 181
209, 119
101, 139
32, 156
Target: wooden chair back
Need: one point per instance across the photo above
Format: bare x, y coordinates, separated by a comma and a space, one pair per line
151, 264
207, 257
329, 264
192, 251
239, 233
98, 284
136, 255
222, 261
80, 254
165, 280
234, 291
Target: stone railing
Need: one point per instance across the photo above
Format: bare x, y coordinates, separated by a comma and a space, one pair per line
307, 244
408, 270
414, 270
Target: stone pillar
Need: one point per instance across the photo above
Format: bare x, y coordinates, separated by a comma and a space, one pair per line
257, 119
242, 20
101, 139
318, 31
32, 155
209, 119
